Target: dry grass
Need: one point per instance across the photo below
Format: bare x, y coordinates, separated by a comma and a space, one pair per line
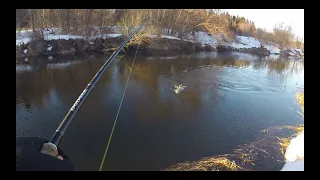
217, 25
131, 20
297, 129
245, 158
300, 98
284, 143
207, 164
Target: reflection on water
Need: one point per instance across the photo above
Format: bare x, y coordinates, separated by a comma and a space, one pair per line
228, 98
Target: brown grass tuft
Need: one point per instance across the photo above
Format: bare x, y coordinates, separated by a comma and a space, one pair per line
207, 164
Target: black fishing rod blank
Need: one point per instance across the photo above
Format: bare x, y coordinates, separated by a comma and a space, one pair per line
51, 147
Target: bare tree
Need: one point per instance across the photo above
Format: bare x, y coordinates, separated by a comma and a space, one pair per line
283, 34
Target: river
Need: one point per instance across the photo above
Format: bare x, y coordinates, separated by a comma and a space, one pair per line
228, 99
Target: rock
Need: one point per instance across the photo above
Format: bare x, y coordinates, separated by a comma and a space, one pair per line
172, 44
66, 47
292, 53
81, 45
97, 45
71, 51
52, 47
209, 48
37, 47
259, 51
20, 49
223, 48
198, 47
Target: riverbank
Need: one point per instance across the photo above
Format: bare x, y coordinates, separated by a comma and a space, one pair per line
294, 153
56, 43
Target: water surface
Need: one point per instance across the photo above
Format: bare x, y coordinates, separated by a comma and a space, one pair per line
228, 99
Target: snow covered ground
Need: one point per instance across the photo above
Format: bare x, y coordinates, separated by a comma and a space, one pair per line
295, 154
273, 49
296, 52
23, 37
200, 37
240, 42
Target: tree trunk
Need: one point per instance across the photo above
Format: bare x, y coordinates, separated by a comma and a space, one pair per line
32, 21
88, 20
68, 20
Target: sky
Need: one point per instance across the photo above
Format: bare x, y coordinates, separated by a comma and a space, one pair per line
267, 18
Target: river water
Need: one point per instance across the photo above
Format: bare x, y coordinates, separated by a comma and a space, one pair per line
228, 99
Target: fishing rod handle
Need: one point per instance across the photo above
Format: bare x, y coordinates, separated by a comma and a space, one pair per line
50, 149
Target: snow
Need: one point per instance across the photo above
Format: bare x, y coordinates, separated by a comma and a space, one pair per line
50, 58
294, 166
114, 35
295, 154
26, 59
299, 51
200, 37
291, 54
203, 38
25, 51
170, 37
242, 42
273, 49
91, 42
295, 149
274, 56
153, 36
49, 48
65, 37
22, 41
23, 37
162, 36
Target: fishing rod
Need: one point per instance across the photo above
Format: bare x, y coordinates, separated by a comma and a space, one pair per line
50, 148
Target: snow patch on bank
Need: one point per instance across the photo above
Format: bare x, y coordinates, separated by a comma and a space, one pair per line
23, 37
200, 37
295, 154
49, 48
203, 38
242, 42
296, 52
67, 37
272, 49
22, 41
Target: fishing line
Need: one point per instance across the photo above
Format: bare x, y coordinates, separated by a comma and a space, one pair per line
115, 121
